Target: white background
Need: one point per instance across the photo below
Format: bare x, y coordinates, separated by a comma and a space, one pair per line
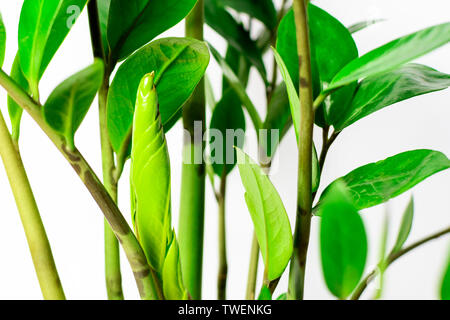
75, 225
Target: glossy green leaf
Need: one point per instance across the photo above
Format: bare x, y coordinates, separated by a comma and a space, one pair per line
362, 25
405, 226
14, 110
269, 216
134, 23
445, 285
43, 26
172, 279
378, 182
235, 34
265, 293
377, 92
327, 35
393, 54
103, 14
150, 175
282, 296
68, 104
179, 64
343, 242
227, 129
263, 10
2, 41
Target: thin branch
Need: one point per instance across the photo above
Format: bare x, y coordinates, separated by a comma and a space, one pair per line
223, 265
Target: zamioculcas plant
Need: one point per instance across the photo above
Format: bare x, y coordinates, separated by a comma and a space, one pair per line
314, 79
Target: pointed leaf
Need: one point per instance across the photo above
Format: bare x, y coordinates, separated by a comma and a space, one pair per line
14, 110
263, 10
134, 23
179, 65
393, 54
377, 92
172, 279
67, 105
405, 226
269, 216
378, 182
343, 242
103, 15
362, 25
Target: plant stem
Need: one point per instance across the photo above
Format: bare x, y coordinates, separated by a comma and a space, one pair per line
192, 201
113, 277
304, 197
253, 269
393, 256
223, 265
148, 287
38, 243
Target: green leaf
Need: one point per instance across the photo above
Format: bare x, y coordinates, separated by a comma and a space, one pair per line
14, 110
150, 175
343, 242
263, 10
265, 293
393, 54
224, 24
132, 24
269, 217
378, 182
2, 41
327, 35
362, 25
282, 296
179, 65
445, 286
68, 104
377, 92
103, 15
43, 26
405, 226
172, 279
227, 115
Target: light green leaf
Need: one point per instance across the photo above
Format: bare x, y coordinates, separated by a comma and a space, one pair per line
2, 41
343, 242
377, 92
269, 217
362, 25
265, 293
172, 279
227, 115
405, 226
445, 285
68, 104
14, 110
134, 23
150, 175
393, 54
178, 63
282, 296
263, 10
43, 26
378, 182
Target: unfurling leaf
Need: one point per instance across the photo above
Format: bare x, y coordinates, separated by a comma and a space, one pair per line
68, 104
179, 64
171, 274
343, 242
376, 183
405, 226
43, 26
14, 110
269, 217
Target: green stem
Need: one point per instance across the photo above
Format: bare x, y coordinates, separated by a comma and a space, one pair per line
304, 197
38, 243
148, 287
113, 277
253, 269
223, 265
393, 256
192, 200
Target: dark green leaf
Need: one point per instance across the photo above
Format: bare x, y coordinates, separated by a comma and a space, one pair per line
263, 10
393, 54
103, 14
235, 34
43, 26
2, 41
405, 226
67, 105
14, 110
227, 115
179, 65
377, 92
445, 286
378, 182
265, 293
132, 24
362, 25
269, 217
343, 242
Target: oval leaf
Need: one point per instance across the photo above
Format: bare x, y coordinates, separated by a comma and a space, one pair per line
68, 104
269, 216
14, 110
405, 226
343, 242
43, 26
179, 64
393, 54
378, 182
132, 24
